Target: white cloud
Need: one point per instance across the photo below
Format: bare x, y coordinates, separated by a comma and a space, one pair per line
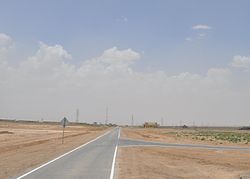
222, 73
201, 36
198, 35
125, 19
188, 39
48, 61
5, 40
112, 60
122, 19
115, 56
5, 44
47, 85
241, 62
48, 55
218, 76
201, 27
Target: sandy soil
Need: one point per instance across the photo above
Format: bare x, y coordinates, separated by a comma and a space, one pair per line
26, 145
159, 163
166, 135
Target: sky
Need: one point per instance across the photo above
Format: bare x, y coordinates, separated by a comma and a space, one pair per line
183, 62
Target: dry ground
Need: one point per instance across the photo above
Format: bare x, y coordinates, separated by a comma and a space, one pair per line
159, 163
170, 135
26, 145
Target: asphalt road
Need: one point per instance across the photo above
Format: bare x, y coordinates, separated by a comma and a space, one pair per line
142, 143
96, 159
93, 161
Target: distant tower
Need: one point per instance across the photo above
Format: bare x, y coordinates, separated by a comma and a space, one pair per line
77, 115
107, 115
162, 121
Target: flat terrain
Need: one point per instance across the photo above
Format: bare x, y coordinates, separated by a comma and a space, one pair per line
176, 162
26, 145
142, 153
191, 136
161, 163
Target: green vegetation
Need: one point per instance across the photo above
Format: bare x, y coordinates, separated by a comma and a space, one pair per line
234, 137
224, 136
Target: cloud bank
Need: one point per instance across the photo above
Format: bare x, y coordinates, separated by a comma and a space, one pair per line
48, 85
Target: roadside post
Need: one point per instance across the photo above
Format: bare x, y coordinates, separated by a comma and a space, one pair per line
64, 123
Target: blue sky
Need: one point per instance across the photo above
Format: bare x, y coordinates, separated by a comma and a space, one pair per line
156, 28
181, 60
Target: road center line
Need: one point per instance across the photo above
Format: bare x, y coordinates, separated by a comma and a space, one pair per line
62, 155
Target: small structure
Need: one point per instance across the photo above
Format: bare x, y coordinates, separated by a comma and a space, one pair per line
184, 126
150, 125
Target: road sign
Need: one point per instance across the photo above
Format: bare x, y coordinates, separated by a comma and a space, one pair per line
64, 122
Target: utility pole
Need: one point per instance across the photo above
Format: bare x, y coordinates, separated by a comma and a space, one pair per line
180, 123
63, 135
107, 115
162, 121
77, 115
132, 120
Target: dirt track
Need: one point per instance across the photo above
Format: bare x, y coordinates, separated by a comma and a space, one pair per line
157, 162
25, 145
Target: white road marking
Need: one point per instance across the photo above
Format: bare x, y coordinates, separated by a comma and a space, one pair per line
119, 133
114, 158
62, 156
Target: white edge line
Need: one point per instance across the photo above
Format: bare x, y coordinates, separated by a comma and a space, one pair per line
119, 133
114, 158
62, 155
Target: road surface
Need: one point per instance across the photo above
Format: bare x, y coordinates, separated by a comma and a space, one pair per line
94, 161
142, 143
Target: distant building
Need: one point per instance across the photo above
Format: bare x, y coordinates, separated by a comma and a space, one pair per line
184, 126
150, 125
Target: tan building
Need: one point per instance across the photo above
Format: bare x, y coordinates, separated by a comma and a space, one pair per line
150, 125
